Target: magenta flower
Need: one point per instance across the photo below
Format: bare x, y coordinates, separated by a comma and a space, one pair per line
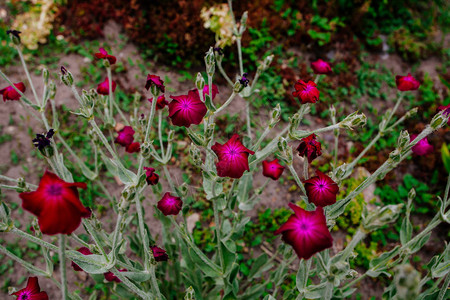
125, 137
159, 254
134, 147
306, 92
103, 87
56, 204
84, 251
321, 67
406, 83
422, 147
306, 231
187, 109
151, 177
233, 158
321, 190
154, 80
215, 91
32, 291
9, 93
310, 147
104, 55
161, 102
111, 277
170, 205
272, 169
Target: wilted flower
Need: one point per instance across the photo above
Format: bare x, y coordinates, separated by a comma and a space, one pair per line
218, 50
154, 80
215, 91
310, 147
422, 147
84, 251
406, 83
321, 190
125, 136
244, 80
14, 33
233, 158
133, 147
159, 254
272, 169
151, 177
32, 291
161, 102
56, 204
321, 67
111, 277
9, 93
306, 231
170, 205
187, 109
104, 55
43, 140
306, 92
103, 87
219, 20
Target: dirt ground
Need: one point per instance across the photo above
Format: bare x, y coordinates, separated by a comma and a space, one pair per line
21, 144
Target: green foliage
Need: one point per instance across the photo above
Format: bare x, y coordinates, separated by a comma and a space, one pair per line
423, 202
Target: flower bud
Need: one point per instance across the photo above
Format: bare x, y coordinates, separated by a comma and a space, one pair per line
353, 120
146, 150
403, 139
190, 294
395, 155
6, 223
439, 120
197, 139
195, 154
406, 281
265, 64
170, 136
341, 172
294, 122
238, 86
45, 75
106, 63
200, 82
14, 35
52, 88
412, 194
210, 62
380, 216
243, 25
275, 116
282, 144
332, 111
66, 77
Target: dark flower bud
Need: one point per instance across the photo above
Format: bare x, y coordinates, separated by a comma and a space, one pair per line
15, 35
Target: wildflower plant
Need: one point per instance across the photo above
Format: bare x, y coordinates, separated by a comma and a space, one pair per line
175, 266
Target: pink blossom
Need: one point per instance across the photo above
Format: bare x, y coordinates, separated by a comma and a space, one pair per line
321, 190
306, 92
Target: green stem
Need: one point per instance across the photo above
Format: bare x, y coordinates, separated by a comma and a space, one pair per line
110, 94
28, 75
25, 264
261, 138
248, 116
131, 285
224, 74
298, 181
62, 264
141, 222
444, 288
217, 229
155, 282
169, 179
160, 132
305, 168
229, 100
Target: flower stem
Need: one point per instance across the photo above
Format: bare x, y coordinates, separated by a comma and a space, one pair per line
297, 179
229, 100
28, 75
247, 113
110, 94
160, 132
62, 264
305, 168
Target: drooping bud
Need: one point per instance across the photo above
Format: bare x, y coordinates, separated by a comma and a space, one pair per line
210, 62
275, 116
243, 26
380, 216
403, 139
439, 120
66, 77
353, 120
14, 35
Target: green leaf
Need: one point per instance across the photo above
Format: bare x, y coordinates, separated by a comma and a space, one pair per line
208, 184
406, 231
418, 244
94, 264
137, 276
206, 269
229, 256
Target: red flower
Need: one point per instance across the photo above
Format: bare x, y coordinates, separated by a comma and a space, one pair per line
406, 83
125, 137
84, 251
9, 93
159, 254
152, 177
170, 205
187, 109
321, 67
422, 147
111, 277
446, 109
306, 92
156, 81
103, 87
32, 291
133, 147
233, 158
309, 147
161, 102
306, 231
56, 204
321, 190
103, 54
215, 91
272, 169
